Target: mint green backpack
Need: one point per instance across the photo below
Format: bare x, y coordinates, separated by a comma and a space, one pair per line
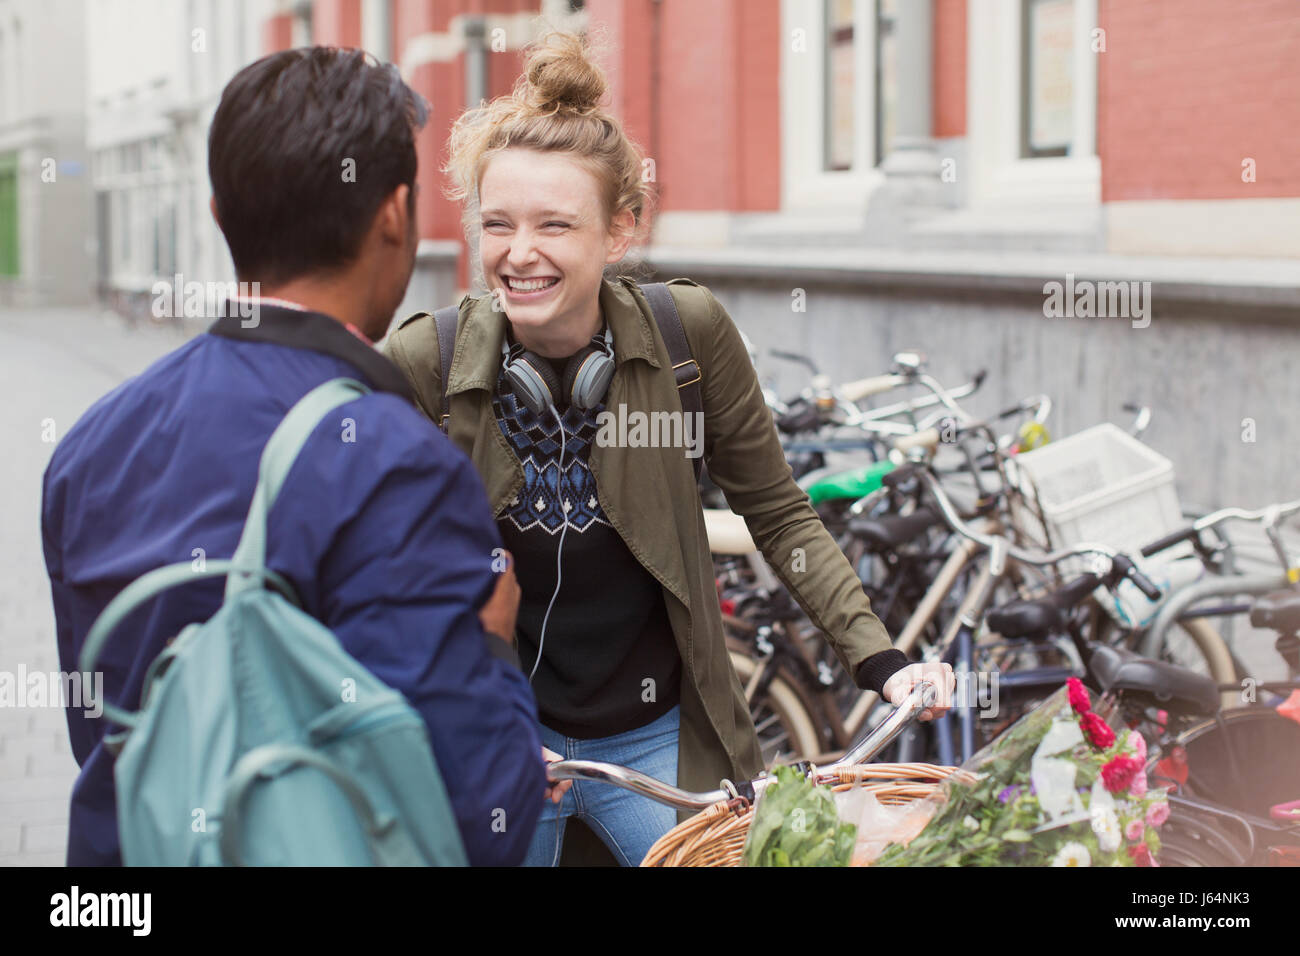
260, 741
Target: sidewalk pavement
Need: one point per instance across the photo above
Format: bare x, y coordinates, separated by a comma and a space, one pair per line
54, 364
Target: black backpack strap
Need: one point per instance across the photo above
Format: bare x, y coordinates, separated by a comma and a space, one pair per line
446, 320
685, 368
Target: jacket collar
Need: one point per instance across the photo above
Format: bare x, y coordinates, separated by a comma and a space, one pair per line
477, 359
303, 329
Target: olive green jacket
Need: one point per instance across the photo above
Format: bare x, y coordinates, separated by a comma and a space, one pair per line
649, 494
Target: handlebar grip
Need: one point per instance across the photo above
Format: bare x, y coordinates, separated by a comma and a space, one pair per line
1074, 592
803, 418
866, 387
794, 357
1144, 584
1169, 540
1125, 565
892, 479
927, 438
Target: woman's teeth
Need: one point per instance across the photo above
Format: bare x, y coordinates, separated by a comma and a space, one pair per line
530, 285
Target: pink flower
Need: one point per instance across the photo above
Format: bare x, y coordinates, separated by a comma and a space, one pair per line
1133, 831
1142, 855
1119, 772
1138, 743
1078, 696
1158, 813
1138, 787
1095, 729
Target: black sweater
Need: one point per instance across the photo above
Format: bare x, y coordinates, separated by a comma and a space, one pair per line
609, 663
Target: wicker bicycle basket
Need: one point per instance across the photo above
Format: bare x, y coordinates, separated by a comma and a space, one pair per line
716, 836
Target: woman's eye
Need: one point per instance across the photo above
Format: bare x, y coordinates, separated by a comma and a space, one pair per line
556, 225
494, 224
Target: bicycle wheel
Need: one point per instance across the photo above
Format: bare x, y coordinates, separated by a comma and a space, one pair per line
1250, 762
1189, 839
785, 727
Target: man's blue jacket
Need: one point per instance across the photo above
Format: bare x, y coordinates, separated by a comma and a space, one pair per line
382, 526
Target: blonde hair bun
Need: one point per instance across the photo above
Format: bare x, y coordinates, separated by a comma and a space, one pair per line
559, 75
554, 106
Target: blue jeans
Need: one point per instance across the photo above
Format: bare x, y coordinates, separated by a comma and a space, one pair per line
628, 824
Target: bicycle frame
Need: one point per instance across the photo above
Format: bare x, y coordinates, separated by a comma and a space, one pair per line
1174, 607
960, 558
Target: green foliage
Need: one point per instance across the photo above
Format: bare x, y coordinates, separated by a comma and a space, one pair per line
998, 820
796, 824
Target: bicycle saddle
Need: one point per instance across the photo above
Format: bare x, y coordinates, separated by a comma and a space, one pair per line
1278, 611
892, 531
1169, 686
1030, 619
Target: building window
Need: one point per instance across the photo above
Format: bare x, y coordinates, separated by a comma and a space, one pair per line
839, 84
1047, 66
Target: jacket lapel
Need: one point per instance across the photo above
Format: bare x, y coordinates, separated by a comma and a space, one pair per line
470, 383
636, 483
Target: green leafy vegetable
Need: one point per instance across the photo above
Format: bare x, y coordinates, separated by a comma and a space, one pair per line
796, 824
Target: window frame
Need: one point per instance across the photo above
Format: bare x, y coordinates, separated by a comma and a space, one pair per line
806, 184
994, 91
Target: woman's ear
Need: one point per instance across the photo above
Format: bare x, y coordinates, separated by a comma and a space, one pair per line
620, 235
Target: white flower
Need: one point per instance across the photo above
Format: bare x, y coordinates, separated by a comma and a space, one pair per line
1072, 854
1105, 823
970, 823
1053, 780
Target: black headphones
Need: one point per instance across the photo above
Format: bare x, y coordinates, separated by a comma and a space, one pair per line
586, 376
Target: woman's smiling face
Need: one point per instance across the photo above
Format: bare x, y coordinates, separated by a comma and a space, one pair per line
544, 240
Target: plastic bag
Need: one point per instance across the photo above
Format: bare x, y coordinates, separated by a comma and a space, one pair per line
880, 824
1060, 787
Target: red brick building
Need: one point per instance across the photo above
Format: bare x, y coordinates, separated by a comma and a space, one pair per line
1143, 126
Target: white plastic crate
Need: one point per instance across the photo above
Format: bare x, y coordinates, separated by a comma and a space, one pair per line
1101, 485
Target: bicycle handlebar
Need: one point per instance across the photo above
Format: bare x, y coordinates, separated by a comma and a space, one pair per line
866, 387
634, 780
1269, 515
1169, 540
1125, 566
924, 694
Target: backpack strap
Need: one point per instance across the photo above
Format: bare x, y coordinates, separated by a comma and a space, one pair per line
446, 320
685, 369
247, 569
278, 457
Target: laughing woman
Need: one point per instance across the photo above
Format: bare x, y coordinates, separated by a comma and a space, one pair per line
619, 626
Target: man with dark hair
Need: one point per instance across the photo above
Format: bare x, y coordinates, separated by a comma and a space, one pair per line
382, 526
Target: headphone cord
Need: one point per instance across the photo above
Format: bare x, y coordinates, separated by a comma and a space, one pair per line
541, 641
559, 552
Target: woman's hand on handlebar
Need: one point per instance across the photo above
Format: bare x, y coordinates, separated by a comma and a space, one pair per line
901, 683
555, 791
